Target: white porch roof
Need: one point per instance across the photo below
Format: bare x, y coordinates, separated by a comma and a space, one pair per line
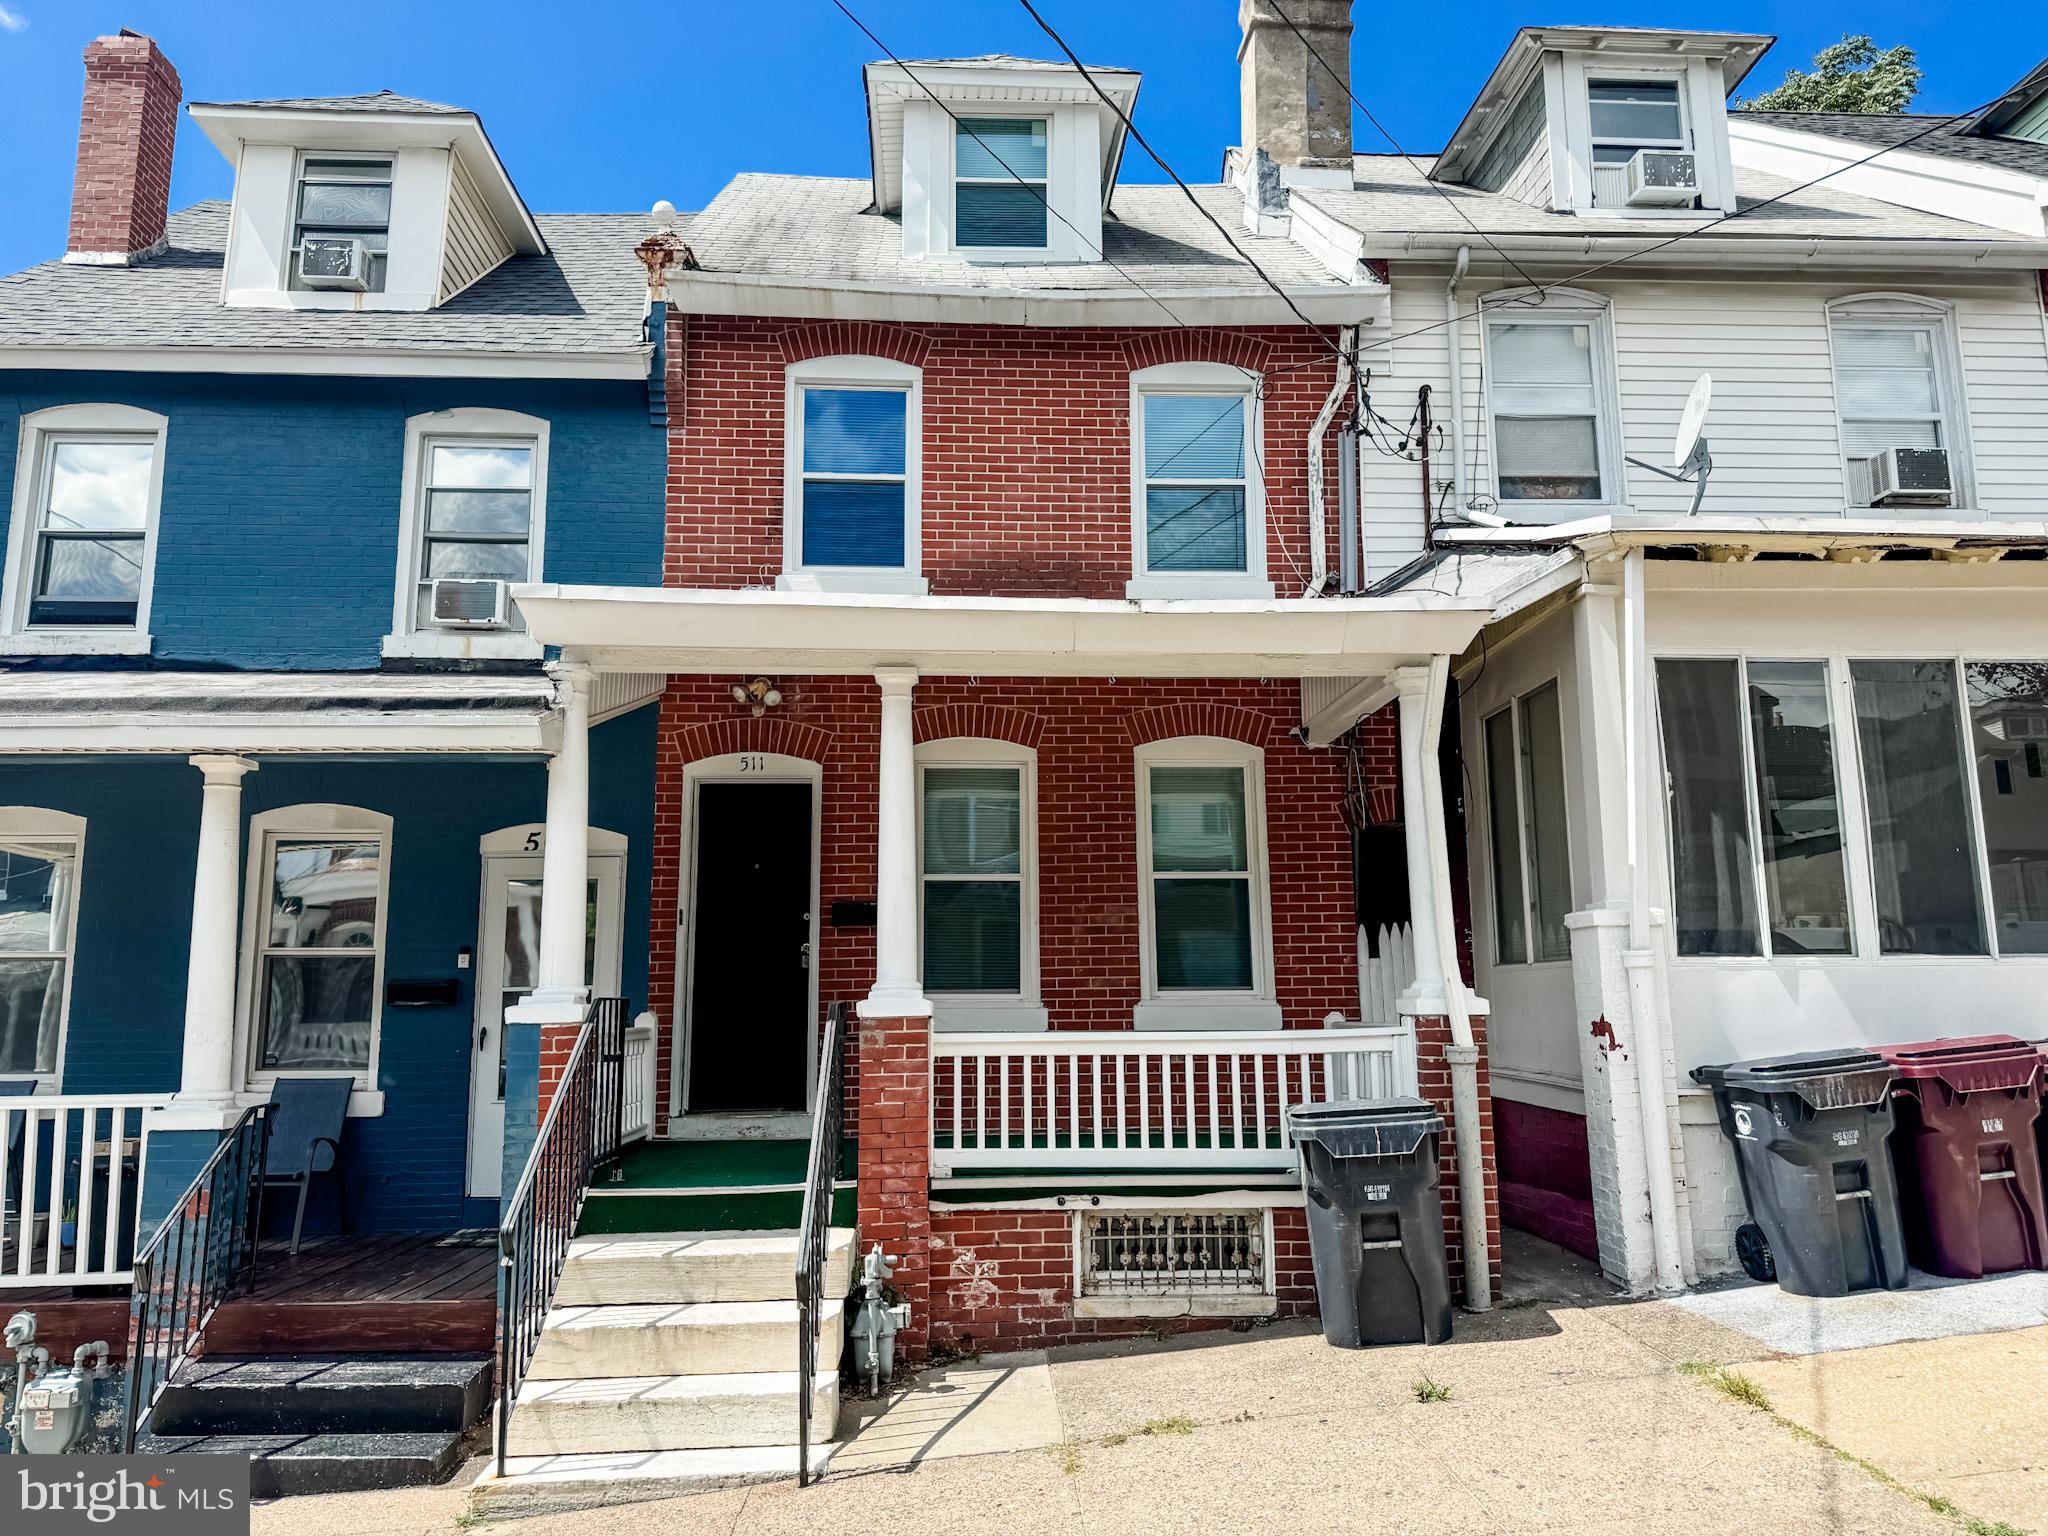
642, 629
275, 712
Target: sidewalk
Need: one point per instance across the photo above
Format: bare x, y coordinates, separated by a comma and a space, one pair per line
1565, 1410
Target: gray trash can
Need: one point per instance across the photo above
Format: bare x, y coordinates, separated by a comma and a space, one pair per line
1810, 1134
1375, 1219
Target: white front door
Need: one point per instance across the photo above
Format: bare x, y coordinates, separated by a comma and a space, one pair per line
508, 947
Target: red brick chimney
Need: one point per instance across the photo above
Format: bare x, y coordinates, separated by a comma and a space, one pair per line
129, 125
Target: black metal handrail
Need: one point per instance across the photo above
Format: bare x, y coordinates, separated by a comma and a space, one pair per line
202, 1253
828, 1116
578, 1135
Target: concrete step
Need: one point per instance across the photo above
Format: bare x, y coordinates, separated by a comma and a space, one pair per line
281, 1466
668, 1413
699, 1338
541, 1485
379, 1394
695, 1266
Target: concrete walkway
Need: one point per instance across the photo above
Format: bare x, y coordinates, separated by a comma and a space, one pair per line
1563, 1410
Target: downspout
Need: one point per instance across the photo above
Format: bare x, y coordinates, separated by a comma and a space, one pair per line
1464, 1052
1454, 345
1318, 518
1639, 961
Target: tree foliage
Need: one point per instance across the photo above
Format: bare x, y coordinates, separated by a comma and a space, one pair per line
1850, 76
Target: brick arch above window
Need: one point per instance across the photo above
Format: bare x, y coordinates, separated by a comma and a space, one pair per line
1227, 720
1197, 345
721, 738
854, 338
991, 722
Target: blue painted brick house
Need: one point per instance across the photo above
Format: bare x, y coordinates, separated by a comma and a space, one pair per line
274, 743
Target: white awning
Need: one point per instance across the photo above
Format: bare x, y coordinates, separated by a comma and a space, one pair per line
274, 712
644, 629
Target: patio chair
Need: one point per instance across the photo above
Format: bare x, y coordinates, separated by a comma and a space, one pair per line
306, 1119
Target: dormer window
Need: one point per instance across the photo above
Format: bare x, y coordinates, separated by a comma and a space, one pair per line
999, 166
1628, 116
342, 200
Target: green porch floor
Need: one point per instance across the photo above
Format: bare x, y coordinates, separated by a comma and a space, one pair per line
688, 1165
711, 1186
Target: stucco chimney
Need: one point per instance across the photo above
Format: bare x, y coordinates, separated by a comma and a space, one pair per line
1291, 107
129, 125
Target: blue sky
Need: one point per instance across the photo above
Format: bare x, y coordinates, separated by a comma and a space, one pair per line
610, 104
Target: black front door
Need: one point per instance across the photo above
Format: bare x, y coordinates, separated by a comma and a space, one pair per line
750, 986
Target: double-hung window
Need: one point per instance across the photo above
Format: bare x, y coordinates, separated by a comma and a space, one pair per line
977, 866
999, 183
850, 519
1626, 116
473, 520
87, 491
320, 882
39, 861
346, 199
1893, 370
1202, 869
1532, 887
1547, 393
1198, 514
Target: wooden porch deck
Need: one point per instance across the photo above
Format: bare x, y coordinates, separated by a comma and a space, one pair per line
366, 1293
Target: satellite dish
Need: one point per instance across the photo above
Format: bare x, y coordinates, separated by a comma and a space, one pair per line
1692, 421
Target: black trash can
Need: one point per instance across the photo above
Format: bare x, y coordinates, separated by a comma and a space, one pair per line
1375, 1219
1810, 1134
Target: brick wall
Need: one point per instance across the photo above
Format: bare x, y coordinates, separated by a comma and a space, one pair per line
127, 129
893, 1177
1027, 460
1546, 1175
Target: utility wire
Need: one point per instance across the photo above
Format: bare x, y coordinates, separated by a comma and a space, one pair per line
1343, 84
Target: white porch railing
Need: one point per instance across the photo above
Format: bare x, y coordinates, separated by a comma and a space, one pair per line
1124, 1099
637, 1081
70, 1161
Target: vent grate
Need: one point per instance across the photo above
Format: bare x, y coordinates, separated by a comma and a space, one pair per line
1134, 1253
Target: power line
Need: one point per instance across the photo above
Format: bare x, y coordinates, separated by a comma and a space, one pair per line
1343, 83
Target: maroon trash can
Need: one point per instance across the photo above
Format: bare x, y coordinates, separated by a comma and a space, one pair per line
1969, 1163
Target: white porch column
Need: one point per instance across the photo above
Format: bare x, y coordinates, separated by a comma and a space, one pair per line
565, 859
1425, 992
206, 1080
898, 991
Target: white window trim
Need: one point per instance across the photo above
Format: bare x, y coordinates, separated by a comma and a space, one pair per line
1023, 1010
1001, 253
1257, 1007
1938, 319
852, 372
30, 823
1202, 379
407, 638
328, 297
1512, 708
38, 431
266, 829
1702, 116
1559, 306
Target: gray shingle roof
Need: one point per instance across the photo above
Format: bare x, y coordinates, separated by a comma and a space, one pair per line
819, 228
373, 101
586, 296
1950, 139
1388, 197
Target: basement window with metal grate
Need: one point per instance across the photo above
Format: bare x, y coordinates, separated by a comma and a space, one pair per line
1174, 1253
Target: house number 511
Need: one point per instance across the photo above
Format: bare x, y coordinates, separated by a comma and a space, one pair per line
753, 762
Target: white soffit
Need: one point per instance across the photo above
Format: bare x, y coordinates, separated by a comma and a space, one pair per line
677, 630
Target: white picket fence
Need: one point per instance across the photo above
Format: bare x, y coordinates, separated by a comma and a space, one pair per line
1386, 964
70, 1164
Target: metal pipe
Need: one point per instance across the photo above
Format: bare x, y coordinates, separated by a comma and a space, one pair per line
1454, 348
1350, 564
1463, 1054
1639, 961
1318, 520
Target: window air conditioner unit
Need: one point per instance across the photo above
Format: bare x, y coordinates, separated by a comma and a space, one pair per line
1910, 477
1662, 178
466, 603
334, 261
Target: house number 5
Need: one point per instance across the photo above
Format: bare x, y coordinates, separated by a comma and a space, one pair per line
753, 762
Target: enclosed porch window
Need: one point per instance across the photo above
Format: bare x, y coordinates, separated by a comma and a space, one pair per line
39, 858
1532, 883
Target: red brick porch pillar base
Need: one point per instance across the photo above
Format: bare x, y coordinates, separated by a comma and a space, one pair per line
557, 1041
1433, 1074
894, 1127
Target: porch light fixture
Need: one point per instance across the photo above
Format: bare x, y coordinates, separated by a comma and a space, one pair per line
760, 694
